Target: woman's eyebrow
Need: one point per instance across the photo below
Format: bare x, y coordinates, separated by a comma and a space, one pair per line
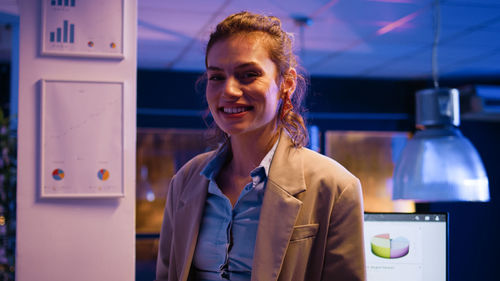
214, 68
242, 65
247, 64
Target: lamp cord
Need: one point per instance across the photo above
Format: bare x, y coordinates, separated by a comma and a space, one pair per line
437, 31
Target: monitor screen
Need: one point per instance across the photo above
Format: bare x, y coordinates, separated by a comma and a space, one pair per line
410, 247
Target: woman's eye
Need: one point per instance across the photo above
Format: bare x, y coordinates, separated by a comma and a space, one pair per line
249, 75
215, 77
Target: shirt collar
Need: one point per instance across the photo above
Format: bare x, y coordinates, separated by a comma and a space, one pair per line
213, 167
266, 161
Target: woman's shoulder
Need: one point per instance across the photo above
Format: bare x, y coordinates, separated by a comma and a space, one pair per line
318, 163
325, 174
189, 174
196, 164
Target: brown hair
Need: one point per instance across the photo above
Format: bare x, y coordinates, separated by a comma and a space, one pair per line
281, 53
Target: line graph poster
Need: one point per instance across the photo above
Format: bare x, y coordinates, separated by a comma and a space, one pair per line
82, 139
89, 28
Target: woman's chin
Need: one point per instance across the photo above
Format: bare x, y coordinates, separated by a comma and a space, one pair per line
234, 131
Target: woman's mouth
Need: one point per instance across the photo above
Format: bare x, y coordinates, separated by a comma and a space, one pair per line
235, 110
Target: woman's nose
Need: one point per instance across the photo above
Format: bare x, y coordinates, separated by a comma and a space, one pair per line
232, 88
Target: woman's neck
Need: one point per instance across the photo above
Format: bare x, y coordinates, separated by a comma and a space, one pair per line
248, 151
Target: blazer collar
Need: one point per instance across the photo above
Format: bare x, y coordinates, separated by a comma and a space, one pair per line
286, 169
187, 222
279, 212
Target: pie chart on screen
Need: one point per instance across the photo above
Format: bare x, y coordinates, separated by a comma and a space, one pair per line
384, 246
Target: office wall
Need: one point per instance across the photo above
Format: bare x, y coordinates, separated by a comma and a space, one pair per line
72, 239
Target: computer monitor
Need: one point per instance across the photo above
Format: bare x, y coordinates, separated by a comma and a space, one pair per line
410, 247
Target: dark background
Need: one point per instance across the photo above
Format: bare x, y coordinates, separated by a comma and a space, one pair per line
361, 104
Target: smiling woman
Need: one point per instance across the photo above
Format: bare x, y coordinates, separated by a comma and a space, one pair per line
279, 49
242, 91
261, 207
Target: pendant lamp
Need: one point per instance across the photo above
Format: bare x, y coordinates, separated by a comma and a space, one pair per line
439, 163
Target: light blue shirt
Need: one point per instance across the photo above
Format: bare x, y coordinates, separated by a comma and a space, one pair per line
226, 240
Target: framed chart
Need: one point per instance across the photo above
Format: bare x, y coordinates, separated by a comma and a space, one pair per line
82, 139
82, 28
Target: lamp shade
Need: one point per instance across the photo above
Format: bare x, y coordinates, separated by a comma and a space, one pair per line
439, 163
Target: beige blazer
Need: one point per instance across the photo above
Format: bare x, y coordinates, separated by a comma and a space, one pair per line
310, 225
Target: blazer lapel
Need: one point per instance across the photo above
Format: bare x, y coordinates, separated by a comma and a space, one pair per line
187, 224
279, 211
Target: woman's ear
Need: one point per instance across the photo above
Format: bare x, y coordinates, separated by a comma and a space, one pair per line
289, 82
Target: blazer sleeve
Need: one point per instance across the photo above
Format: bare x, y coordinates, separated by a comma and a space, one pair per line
345, 255
163, 262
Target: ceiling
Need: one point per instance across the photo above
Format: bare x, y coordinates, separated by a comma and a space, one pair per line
348, 38
354, 38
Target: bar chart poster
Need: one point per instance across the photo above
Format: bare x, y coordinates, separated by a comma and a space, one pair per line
87, 28
81, 139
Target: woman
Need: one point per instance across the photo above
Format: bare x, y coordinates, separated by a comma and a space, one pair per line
261, 207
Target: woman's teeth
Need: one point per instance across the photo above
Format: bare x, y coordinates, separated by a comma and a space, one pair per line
233, 110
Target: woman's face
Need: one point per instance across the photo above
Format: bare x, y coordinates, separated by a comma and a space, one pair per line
242, 92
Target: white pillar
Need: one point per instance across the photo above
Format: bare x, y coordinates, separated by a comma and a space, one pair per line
72, 239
